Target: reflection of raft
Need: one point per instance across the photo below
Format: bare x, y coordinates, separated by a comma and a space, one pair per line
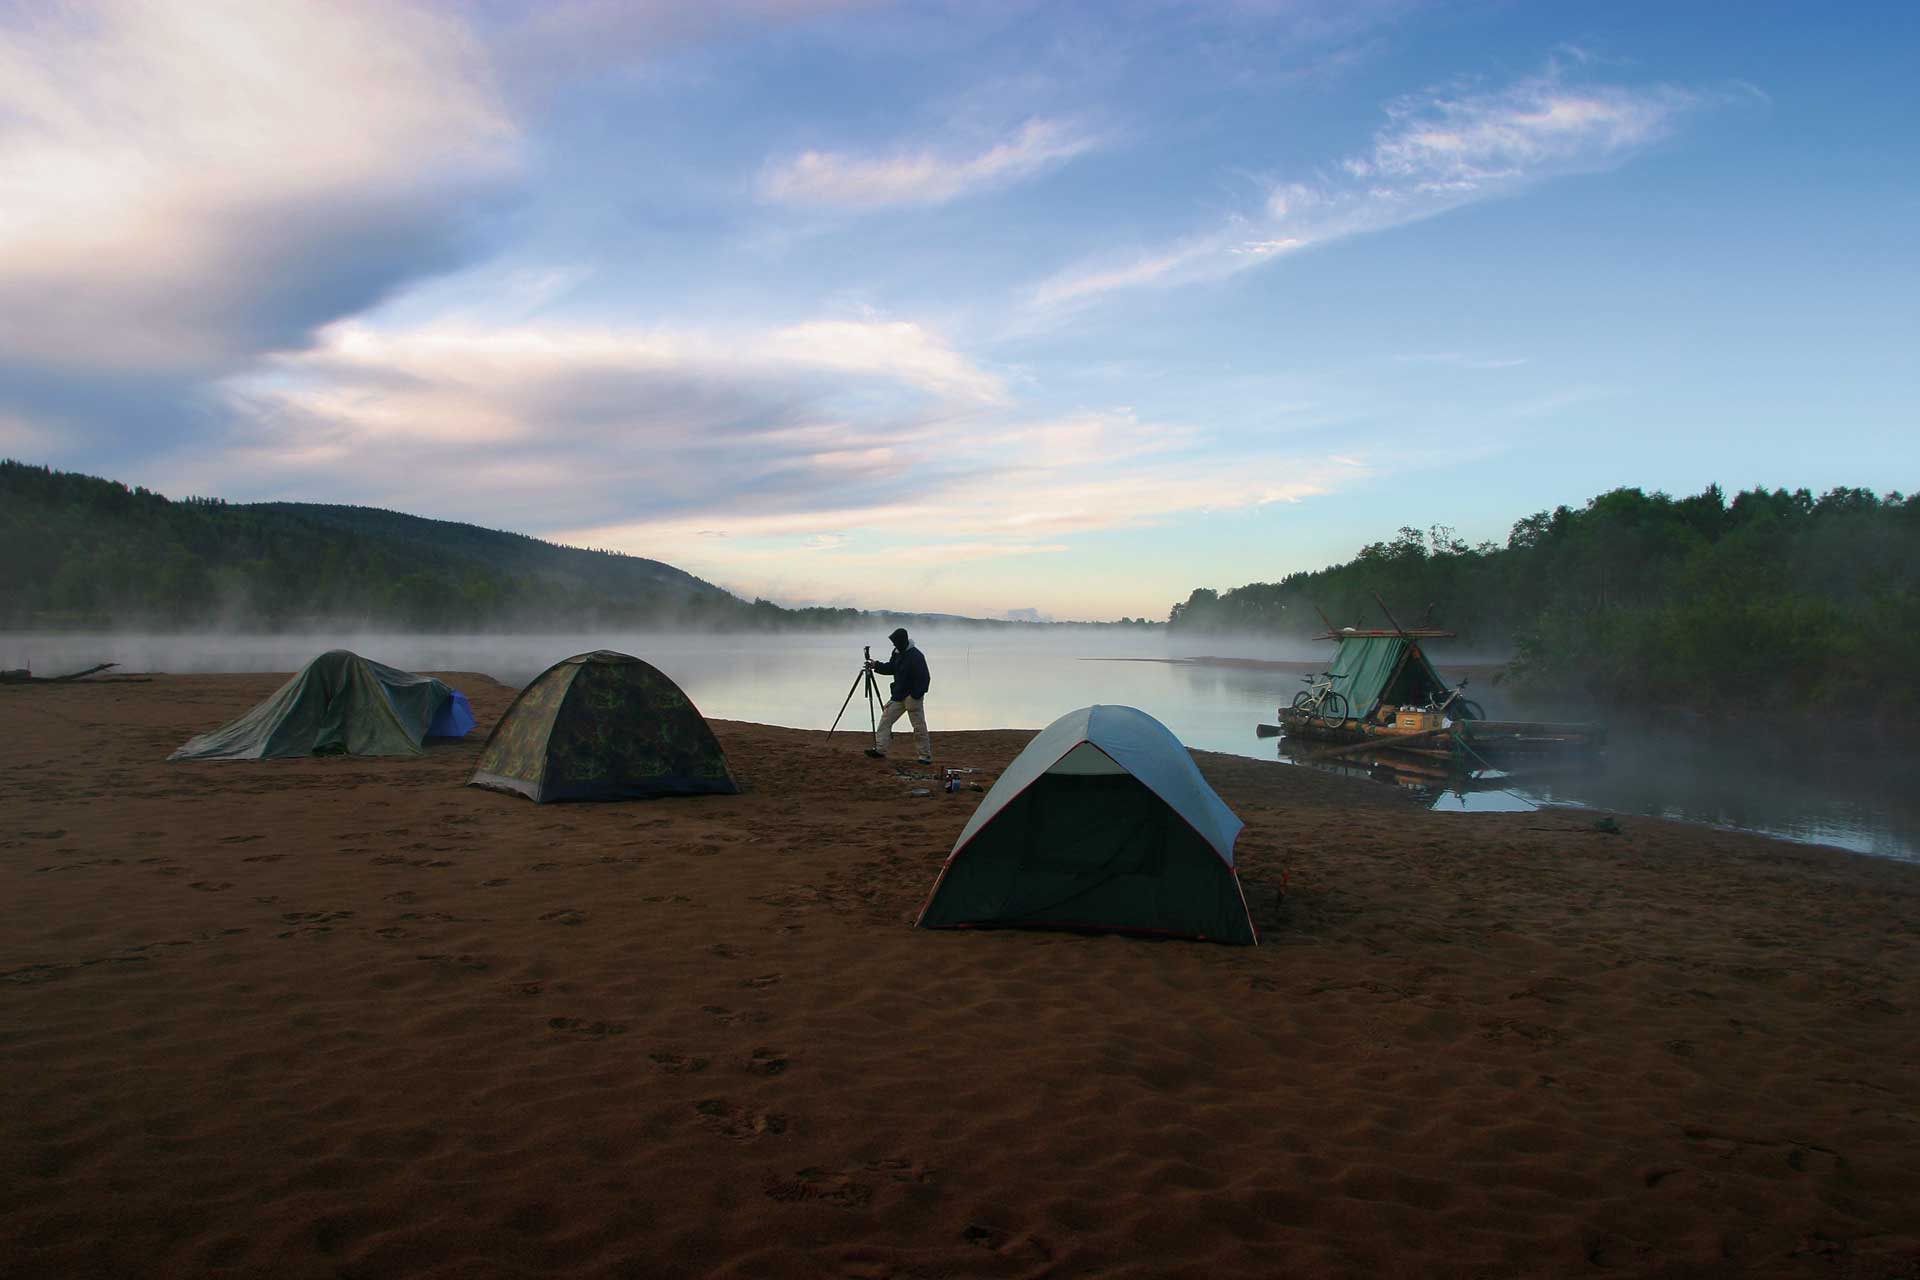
1491, 740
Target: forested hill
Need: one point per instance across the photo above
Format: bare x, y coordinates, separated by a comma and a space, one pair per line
1772, 600
82, 551
605, 573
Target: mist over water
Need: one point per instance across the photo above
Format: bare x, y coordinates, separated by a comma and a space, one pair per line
1024, 677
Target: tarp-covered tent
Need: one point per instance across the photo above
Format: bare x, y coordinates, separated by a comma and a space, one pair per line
338, 703
1371, 669
1102, 822
602, 726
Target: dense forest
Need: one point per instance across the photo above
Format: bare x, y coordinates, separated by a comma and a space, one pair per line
1774, 599
85, 552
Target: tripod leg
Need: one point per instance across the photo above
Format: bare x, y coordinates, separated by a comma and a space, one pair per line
851, 690
873, 715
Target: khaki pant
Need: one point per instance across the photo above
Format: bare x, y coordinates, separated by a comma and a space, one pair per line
916, 712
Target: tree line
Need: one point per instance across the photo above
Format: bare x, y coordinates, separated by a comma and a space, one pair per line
84, 552
1773, 599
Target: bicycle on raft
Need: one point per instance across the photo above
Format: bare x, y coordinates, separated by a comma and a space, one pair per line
1457, 707
1321, 701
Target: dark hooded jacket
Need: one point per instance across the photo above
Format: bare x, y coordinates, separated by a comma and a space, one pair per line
909, 671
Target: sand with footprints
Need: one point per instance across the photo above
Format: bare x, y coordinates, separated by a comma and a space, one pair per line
350, 1018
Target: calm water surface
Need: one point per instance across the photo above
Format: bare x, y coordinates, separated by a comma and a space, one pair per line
997, 680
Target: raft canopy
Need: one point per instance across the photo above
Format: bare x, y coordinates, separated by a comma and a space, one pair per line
1391, 668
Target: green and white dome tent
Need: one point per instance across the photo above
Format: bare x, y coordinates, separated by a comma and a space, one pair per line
340, 703
1102, 822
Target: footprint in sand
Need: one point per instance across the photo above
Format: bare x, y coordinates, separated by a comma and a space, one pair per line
55, 834
723, 1014
764, 980
544, 866
467, 963
727, 952
211, 886
767, 1062
263, 857
985, 1237
829, 1186
494, 884
240, 839
405, 897
566, 915
678, 1063
586, 1030
742, 1124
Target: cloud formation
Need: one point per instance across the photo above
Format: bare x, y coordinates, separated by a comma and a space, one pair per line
185, 186
827, 446
1437, 151
619, 420
921, 177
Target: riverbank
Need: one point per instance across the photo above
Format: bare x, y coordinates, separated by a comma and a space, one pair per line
337, 1016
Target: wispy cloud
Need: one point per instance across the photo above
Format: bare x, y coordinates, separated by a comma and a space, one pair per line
1437, 151
924, 176
182, 186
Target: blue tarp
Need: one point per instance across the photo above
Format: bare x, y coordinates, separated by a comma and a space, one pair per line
454, 719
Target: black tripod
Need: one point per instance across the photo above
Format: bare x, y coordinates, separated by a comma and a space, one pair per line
874, 700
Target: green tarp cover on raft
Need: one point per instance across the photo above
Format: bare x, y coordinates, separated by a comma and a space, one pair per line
1101, 822
1371, 668
339, 702
603, 726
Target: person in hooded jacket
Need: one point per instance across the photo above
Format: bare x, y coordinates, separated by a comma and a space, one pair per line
908, 667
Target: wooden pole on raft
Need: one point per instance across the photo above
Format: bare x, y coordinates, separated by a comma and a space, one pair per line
1390, 618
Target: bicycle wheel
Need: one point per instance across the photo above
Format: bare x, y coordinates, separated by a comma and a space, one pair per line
1333, 710
1302, 700
1468, 709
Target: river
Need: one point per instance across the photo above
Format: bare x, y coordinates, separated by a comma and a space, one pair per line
989, 679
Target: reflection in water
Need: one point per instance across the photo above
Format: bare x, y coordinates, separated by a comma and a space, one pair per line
1024, 679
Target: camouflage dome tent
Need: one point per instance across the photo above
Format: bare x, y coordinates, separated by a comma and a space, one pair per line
339, 703
602, 726
1101, 822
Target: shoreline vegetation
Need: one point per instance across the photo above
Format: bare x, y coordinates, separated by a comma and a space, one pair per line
1774, 602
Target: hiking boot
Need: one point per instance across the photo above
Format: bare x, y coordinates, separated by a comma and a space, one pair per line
876, 753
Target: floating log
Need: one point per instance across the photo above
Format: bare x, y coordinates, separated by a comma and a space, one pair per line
24, 676
1381, 744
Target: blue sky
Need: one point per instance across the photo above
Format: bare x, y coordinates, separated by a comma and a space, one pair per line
962, 308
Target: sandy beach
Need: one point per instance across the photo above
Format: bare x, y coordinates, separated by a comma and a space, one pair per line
350, 1018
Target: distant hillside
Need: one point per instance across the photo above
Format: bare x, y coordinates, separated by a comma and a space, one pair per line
82, 551
605, 573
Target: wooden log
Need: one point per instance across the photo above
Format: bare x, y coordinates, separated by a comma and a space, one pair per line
1377, 744
71, 675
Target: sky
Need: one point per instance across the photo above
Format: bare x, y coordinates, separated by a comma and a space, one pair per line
997, 309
